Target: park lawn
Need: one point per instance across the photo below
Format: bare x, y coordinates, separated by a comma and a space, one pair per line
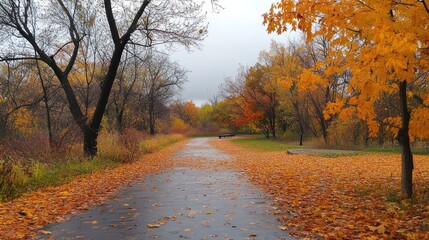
396, 150
264, 144
347, 197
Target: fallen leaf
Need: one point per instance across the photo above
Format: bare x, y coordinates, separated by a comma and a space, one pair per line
45, 232
380, 229
153, 225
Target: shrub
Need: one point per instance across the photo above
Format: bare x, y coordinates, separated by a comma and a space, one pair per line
12, 178
347, 134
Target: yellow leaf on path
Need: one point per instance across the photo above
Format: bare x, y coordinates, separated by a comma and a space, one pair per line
283, 228
187, 230
277, 212
153, 225
45, 232
94, 222
208, 212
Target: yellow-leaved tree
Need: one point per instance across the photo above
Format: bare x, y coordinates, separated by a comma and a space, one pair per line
385, 45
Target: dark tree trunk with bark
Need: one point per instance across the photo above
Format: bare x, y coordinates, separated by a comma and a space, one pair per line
323, 127
404, 143
90, 142
120, 119
151, 117
272, 122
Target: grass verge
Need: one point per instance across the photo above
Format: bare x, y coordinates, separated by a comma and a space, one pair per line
395, 150
19, 176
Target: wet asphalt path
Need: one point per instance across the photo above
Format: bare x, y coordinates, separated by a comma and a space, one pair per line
181, 204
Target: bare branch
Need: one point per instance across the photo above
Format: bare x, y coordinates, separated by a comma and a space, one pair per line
111, 21
74, 34
425, 5
7, 59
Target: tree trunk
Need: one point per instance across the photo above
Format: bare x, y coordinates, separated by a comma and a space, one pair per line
267, 133
46, 103
324, 130
91, 132
119, 120
90, 142
151, 113
151, 123
299, 120
273, 123
404, 143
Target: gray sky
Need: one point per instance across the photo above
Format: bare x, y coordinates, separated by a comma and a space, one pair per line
236, 36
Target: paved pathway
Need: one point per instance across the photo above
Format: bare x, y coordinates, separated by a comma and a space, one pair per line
182, 204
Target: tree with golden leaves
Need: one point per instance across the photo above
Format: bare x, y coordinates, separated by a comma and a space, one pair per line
385, 45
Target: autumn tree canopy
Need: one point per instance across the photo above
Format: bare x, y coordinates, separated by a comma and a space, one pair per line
384, 44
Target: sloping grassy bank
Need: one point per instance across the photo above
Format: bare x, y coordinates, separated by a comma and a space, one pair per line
21, 175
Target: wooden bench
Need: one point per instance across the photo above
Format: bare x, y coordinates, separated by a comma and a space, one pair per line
226, 135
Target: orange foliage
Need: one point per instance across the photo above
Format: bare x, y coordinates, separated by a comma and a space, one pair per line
382, 43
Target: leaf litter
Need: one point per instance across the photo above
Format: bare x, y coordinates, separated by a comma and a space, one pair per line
348, 197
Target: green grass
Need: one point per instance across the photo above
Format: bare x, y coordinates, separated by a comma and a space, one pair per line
271, 145
43, 175
263, 144
395, 150
204, 135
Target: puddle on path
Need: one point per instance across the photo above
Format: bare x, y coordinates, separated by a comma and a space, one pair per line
182, 204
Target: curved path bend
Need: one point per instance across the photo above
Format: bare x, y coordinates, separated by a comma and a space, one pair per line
184, 203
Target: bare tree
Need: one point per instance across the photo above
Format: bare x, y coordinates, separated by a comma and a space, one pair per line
162, 79
55, 30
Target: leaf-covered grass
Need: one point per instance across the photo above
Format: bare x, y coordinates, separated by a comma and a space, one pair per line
349, 197
264, 144
335, 155
16, 179
271, 145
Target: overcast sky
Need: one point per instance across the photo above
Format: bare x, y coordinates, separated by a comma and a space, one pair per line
236, 36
